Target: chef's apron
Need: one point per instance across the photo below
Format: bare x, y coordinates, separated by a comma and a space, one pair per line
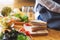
52, 18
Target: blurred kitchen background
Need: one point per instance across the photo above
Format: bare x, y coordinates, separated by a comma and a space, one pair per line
25, 6
16, 3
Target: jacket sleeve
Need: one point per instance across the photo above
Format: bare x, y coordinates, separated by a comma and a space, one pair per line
50, 5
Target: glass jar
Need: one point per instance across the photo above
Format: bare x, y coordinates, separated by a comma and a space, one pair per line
28, 10
25, 10
31, 15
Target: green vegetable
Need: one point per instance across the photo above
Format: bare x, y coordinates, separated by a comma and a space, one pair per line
25, 18
17, 15
13, 35
3, 23
27, 38
22, 37
22, 19
1, 36
6, 11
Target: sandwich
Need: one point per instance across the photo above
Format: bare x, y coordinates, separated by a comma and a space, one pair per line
38, 25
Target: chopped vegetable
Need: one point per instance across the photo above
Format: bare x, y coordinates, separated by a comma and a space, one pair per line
6, 11
1, 35
21, 37
27, 24
27, 33
28, 38
22, 30
14, 35
17, 15
22, 18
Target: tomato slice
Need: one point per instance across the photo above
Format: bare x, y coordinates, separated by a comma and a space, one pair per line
27, 33
22, 30
27, 24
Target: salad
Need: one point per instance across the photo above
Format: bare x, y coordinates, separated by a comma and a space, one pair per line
12, 34
9, 33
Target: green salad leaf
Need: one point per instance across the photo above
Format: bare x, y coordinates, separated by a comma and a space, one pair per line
17, 15
27, 38
6, 11
22, 19
22, 37
1, 36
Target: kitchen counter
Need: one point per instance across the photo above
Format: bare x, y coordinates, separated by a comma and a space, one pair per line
52, 35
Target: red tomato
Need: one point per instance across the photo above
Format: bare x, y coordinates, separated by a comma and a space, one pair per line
27, 33
27, 24
22, 30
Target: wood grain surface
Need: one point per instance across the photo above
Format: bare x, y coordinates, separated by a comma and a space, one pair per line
52, 35
20, 3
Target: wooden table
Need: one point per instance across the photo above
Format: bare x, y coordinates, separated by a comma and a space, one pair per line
52, 35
